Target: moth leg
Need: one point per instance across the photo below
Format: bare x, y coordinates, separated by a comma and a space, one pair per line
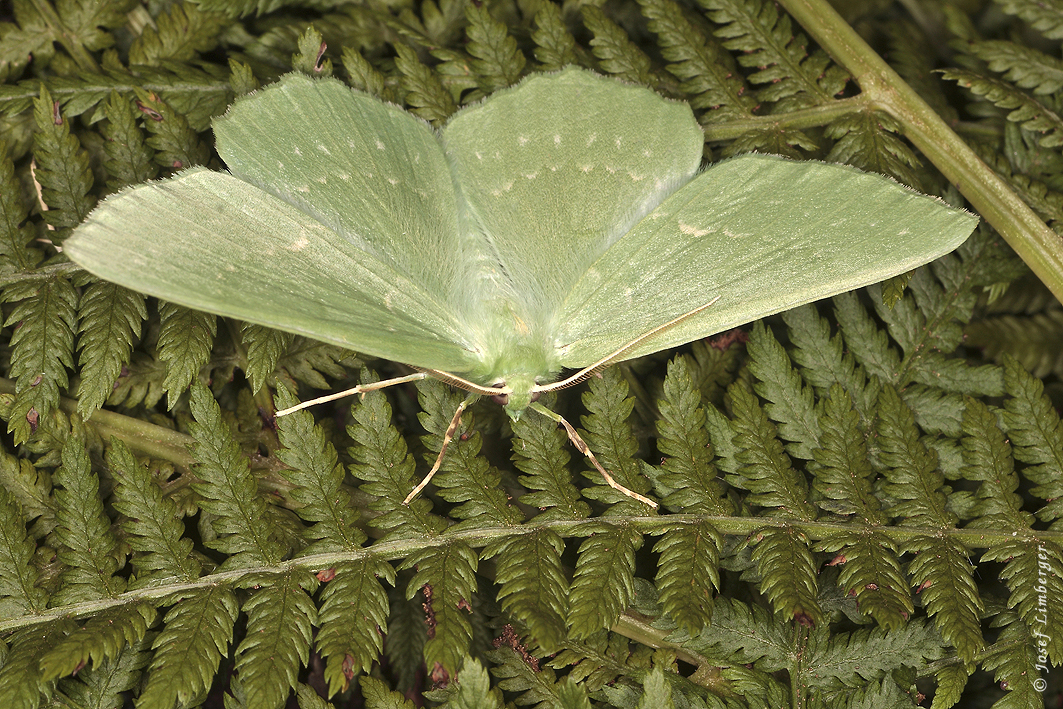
360, 389
447, 438
581, 446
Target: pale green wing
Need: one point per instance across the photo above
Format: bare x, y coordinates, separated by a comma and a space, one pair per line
556, 169
211, 242
373, 173
763, 234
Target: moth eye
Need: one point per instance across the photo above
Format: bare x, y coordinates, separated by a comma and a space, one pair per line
535, 395
500, 399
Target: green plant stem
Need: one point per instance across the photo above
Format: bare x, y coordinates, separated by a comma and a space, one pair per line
480, 537
141, 436
1035, 243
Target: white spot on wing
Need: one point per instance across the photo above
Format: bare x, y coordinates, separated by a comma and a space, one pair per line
618, 141
297, 151
323, 148
691, 230
323, 179
635, 177
379, 144
393, 181
531, 175
522, 139
299, 244
557, 140
593, 137
586, 168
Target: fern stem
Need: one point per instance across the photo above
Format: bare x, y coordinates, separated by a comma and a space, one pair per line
1031, 239
814, 117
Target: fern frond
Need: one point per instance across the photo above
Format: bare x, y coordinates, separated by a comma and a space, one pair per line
987, 458
534, 685
89, 551
179, 34
280, 620
1036, 431
609, 436
474, 689
1032, 571
197, 631
708, 75
687, 573
1031, 339
425, 93
376, 695
19, 592
843, 471
867, 343
465, 476
824, 361
868, 140
768, 43
616, 53
176, 144
534, 586
353, 612
407, 633
16, 234
228, 490
141, 383
852, 658
540, 452
870, 570
765, 468
185, 340
446, 575
21, 675
110, 317
555, 46
1028, 112
62, 167
381, 460
790, 403
951, 680
1025, 67
943, 574
788, 574
744, 634
107, 684
687, 470
101, 639
1016, 666
497, 62
603, 582
362, 75
129, 160
152, 524
1045, 16
42, 348
317, 475
265, 347
914, 54
910, 468
310, 361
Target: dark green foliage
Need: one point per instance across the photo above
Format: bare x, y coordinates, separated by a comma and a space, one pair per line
860, 500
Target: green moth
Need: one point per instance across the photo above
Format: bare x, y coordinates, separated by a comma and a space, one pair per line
561, 224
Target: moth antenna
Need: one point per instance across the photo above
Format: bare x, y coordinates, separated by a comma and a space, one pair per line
447, 438
582, 447
360, 389
586, 372
455, 380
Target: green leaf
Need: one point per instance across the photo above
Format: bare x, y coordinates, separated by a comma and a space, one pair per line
152, 525
196, 633
185, 340
447, 576
102, 639
177, 35
354, 609
89, 551
19, 592
129, 160
280, 620
1030, 113
617, 54
555, 46
228, 491
16, 233
176, 144
110, 318
62, 168
474, 689
603, 583
687, 573
497, 62
788, 574
534, 587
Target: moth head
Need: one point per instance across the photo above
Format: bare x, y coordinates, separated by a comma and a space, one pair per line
521, 393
